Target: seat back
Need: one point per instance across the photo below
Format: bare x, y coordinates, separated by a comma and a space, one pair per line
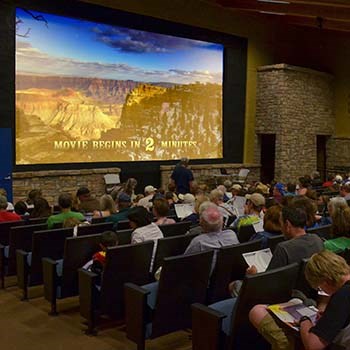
183, 281
124, 236
302, 284
126, 263
94, 228
270, 287
273, 241
177, 229
230, 265
5, 230
98, 220
321, 231
46, 244
35, 221
123, 225
77, 252
21, 238
171, 246
245, 232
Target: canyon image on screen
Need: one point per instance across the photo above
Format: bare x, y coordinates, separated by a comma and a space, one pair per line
92, 92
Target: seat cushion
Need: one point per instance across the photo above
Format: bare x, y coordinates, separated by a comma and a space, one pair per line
226, 307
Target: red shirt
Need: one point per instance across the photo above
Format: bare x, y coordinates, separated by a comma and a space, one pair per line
8, 216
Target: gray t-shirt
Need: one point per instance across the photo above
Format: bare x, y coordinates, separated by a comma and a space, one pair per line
295, 250
212, 240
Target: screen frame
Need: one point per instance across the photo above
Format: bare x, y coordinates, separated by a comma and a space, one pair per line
234, 77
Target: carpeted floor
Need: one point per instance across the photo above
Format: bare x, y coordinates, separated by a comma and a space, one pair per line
27, 326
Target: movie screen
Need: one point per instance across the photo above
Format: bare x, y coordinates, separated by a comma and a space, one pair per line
91, 92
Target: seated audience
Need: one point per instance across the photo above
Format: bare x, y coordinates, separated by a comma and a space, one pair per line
194, 217
21, 208
278, 192
329, 182
299, 244
123, 206
316, 179
33, 195
4, 214
217, 197
146, 202
222, 188
129, 188
107, 207
10, 206
345, 191
65, 202
336, 203
160, 211
310, 208
340, 234
98, 261
252, 213
144, 229
291, 188
331, 273
41, 209
171, 199
304, 184
272, 225
85, 202
212, 237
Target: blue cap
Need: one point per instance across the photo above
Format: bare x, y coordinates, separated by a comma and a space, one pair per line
280, 188
124, 197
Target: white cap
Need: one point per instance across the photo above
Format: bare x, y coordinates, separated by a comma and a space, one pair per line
150, 189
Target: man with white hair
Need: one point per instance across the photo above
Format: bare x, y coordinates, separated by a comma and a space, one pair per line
146, 201
213, 237
217, 197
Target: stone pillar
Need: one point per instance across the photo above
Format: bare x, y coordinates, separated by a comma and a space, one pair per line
296, 104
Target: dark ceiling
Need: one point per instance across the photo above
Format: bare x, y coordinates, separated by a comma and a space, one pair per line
324, 14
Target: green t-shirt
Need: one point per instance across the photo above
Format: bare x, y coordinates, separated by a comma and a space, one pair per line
337, 244
55, 219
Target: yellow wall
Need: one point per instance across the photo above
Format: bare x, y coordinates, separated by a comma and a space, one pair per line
269, 42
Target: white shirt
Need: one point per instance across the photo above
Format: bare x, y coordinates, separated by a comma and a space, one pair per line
146, 202
149, 232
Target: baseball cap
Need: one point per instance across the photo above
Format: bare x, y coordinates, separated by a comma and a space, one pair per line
256, 198
149, 189
187, 198
124, 197
236, 187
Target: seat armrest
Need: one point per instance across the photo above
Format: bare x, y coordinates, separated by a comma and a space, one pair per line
87, 292
136, 311
50, 279
210, 320
2, 265
22, 268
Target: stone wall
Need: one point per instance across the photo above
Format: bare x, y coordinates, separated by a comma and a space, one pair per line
205, 173
338, 155
296, 104
53, 182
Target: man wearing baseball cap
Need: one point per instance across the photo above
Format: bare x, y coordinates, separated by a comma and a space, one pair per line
147, 200
252, 209
123, 204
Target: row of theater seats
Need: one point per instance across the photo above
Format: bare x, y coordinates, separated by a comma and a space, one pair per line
128, 290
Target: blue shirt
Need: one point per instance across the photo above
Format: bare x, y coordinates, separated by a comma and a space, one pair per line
182, 177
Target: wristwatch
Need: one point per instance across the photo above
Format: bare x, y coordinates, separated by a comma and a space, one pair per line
304, 318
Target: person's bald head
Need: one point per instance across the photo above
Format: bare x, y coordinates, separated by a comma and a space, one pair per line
211, 220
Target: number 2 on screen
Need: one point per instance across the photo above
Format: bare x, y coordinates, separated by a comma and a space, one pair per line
149, 144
